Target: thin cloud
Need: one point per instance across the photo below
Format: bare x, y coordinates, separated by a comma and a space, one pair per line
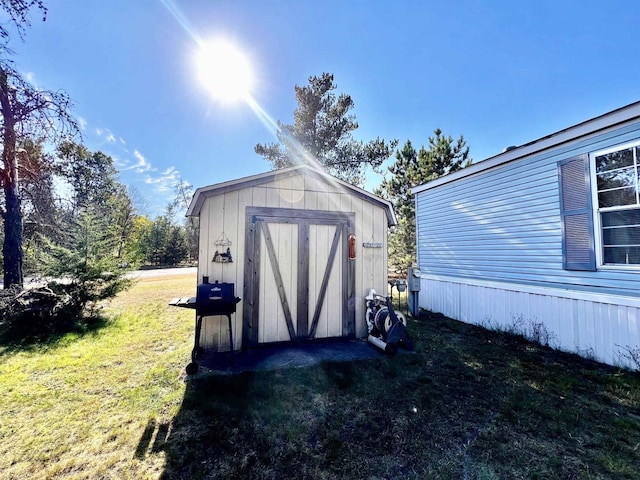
106, 134
134, 165
166, 181
119, 163
143, 165
139, 156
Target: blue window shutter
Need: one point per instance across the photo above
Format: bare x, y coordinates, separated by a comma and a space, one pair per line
578, 243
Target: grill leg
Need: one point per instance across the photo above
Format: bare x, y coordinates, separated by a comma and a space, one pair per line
192, 368
196, 342
230, 333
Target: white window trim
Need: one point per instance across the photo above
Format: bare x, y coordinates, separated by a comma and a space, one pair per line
597, 224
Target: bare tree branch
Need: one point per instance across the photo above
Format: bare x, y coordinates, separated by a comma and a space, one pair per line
18, 11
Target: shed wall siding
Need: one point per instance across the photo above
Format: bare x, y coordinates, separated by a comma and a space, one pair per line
504, 224
225, 213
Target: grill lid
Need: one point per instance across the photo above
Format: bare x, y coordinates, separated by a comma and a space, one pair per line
208, 293
216, 298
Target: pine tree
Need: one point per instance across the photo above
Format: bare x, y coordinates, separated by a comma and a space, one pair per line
413, 168
87, 262
322, 135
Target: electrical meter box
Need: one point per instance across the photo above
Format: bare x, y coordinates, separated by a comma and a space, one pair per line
414, 279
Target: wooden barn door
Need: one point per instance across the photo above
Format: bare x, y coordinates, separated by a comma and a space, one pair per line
299, 282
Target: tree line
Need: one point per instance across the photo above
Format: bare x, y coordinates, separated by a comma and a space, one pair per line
74, 190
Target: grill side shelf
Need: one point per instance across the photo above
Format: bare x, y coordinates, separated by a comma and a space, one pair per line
183, 302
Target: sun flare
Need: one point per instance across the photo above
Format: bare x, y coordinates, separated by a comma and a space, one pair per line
224, 70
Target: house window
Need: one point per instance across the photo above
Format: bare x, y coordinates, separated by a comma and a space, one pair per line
618, 204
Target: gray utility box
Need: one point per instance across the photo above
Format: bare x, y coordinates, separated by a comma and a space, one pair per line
413, 277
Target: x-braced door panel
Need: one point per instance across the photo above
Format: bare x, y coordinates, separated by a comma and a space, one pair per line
325, 285
299, 281
279, 281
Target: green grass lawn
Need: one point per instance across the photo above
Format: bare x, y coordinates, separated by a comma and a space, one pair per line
76, 408
469, 404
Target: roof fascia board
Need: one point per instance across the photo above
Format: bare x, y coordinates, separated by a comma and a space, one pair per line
203, 193
217, 189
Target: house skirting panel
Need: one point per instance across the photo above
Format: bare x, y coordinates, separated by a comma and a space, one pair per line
597, 326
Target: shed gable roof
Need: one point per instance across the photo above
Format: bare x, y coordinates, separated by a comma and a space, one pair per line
203, 193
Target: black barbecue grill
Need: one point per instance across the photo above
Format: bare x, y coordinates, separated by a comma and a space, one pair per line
211, 299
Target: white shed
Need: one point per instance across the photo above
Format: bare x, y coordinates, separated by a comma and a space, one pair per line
302, 248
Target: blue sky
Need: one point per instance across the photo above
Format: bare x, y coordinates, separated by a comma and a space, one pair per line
498, 72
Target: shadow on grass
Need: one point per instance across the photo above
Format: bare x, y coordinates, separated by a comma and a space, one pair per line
35, 334
469, 404
153, 439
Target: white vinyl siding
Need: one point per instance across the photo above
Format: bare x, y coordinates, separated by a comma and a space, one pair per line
592, 325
